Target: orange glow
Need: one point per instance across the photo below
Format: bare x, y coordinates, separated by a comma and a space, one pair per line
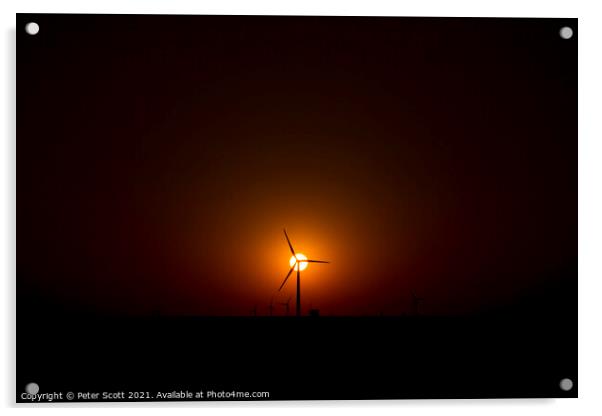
302, 264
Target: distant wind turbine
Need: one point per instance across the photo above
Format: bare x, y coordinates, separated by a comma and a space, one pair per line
286, 305
298, 262
415, 303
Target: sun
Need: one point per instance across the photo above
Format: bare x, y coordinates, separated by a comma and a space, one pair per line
302, 264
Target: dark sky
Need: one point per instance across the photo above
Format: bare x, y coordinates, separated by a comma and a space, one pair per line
160, 157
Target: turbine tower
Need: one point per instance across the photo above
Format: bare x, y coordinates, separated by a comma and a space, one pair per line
297, 263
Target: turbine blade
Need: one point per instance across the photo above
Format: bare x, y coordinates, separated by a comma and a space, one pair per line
287, 276
314, 261
289, 242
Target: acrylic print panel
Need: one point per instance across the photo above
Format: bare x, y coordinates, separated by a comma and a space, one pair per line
430, 162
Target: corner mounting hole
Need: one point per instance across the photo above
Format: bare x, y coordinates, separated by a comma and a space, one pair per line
566, 32
32, 28
566, 384
32, 388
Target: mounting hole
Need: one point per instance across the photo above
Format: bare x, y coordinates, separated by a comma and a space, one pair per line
566, 32
566, 384
32, 28
32, 388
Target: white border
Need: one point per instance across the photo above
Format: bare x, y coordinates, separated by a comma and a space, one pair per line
590, 201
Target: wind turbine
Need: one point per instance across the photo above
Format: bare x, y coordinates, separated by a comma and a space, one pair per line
299, 261
415, 303
286, 305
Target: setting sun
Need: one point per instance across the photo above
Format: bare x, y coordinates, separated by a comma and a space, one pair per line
300, 257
